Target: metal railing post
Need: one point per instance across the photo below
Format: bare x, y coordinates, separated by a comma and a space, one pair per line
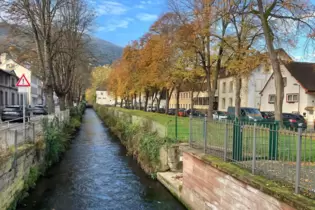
254, 150
205, 134
15, 152
298, 161
190, 129
226, 136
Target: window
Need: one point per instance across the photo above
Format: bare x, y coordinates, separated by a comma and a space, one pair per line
223, 103
284, 81
10, 66
12, 99
223, 87
231, 86
271, 98
292, 97
101, 93
7, 80
230, 101
6, 98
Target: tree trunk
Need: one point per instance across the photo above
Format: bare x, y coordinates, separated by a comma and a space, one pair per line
69, 102
115, 103
167, 102
146, 100
177, 101
191, 100
159, 102
50, 100
121, 102
140, 100
135, 101
62, 102
238, 86
210, 96
274, 62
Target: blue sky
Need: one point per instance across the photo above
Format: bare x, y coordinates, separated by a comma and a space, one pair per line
121, 21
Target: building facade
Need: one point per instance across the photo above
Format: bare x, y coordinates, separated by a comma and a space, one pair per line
299, 90
8, 91
35, 93
104, 98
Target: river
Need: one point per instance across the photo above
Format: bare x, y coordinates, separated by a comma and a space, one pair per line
96, 174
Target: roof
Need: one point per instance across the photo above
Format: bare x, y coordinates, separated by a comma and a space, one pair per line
10, 72
304, 73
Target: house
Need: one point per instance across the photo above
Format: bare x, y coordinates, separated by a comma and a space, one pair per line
251, 85
35, 92
299, 90
104, 98
8, 91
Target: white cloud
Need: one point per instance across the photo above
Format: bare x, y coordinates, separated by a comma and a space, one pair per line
113, 24
146, 17
110, 8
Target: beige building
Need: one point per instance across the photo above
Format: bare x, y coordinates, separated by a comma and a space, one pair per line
35, 92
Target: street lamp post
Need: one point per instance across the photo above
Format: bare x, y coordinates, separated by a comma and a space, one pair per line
299, 95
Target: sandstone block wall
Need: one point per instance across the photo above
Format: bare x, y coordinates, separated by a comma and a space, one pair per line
205, 187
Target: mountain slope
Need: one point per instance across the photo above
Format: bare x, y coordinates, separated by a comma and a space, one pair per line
102, 51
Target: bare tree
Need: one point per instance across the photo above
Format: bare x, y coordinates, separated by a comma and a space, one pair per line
36, 18
280, 19
74, 20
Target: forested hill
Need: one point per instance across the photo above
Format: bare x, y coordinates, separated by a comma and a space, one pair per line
102, 51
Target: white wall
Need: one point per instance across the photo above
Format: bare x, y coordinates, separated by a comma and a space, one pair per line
305, 99
103, 98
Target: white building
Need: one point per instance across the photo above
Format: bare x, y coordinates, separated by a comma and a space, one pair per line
35, 92
252, 85
299, 90
104, 98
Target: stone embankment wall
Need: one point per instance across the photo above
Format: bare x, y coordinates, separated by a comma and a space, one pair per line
205, 187
22, 159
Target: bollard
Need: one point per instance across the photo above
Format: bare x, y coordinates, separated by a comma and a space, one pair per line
254, 150
298, 161
205, 134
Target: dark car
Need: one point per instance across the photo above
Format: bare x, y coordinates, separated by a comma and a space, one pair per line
14, 113
293, 121
194, 113
247, 113
161, 110
267, 115
39, 110
171, 111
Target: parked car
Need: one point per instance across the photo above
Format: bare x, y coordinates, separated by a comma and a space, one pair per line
219, 115
247, 113
151, 109
14, 112
161, 111
182, 113
39, 110
171, 111
267, 115
293, 121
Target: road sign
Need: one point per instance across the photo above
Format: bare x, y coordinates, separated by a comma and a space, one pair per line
23, 82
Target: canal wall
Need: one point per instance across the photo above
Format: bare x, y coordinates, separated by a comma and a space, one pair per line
145, 139
209, 183
21, 166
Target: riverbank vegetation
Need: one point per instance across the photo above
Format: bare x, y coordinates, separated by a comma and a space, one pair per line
140, 141
50, 147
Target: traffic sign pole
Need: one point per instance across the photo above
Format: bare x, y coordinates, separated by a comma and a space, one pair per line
23, 83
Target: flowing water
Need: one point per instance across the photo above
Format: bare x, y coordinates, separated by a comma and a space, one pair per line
96, 174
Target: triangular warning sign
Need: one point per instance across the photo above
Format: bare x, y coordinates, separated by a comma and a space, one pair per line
23, 82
